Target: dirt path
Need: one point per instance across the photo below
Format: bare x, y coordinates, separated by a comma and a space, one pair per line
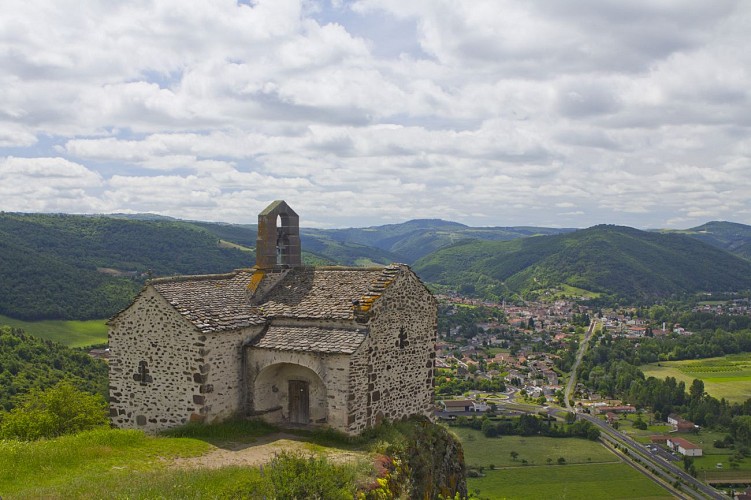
262, 451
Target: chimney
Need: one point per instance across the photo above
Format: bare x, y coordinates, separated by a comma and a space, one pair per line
278, 246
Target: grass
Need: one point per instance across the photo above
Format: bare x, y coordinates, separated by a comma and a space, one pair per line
482, 451
726, 377
572, 291
593, 481
131, 464
626, 425
591, 470
89, 457
229, 244
67, 332
236, 431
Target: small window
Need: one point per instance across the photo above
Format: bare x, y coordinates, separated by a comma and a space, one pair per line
143, 375
403, 342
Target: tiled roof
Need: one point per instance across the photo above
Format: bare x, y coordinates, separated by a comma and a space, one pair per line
311, 339
212, 302
320, 293
223, 302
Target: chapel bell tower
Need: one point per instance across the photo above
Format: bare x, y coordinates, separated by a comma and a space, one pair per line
278, 243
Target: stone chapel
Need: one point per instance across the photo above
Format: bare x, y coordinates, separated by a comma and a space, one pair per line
294, 345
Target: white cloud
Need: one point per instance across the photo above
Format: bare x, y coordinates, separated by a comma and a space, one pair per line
47, 185
566, 113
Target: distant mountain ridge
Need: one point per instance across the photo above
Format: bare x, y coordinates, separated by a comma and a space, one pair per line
78, 267
411, 240
613, 260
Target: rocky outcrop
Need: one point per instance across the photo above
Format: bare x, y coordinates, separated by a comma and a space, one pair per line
431, 460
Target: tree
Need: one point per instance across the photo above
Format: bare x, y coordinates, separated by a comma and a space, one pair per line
514, 455
489, 429
561, 461
740, 426
696, 391
61, 409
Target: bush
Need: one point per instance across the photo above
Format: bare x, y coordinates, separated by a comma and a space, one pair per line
640, 424
296, 476
61, 409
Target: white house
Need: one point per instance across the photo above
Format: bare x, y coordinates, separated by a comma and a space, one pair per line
684, 447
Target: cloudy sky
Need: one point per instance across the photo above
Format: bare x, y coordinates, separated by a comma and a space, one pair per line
367, 112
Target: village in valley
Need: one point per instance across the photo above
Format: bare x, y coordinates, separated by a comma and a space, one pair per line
520, 348
491, 357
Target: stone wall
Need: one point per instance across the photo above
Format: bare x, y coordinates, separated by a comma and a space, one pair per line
223, 388
155, 360
328, 394
391, 374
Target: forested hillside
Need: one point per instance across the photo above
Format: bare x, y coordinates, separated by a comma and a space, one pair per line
27, 363
617, 261
75, 267
83, 267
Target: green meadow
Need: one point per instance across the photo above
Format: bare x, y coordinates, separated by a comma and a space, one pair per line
591, 471
70, 333
70, 466
585, 481
726, 377
113, 463
482, 451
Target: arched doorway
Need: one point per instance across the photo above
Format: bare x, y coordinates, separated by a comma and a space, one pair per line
290, 393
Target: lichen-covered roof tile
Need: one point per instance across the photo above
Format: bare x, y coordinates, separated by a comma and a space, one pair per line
319, 293
311, 339
212, 302
226, 302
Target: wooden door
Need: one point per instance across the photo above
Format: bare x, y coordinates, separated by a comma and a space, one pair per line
299, 406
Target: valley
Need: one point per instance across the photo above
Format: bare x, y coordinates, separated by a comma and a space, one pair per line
516, 305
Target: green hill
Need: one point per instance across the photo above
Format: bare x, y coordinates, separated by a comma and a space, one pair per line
618, 261
78, 267
404, 242
730, 236
414, 239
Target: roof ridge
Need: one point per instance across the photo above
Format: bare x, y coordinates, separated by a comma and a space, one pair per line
196, 277
349, 268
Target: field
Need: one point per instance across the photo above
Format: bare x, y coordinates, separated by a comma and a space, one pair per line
613, 480
70, 333
572, 291
482, 451
727, 377
591, 471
